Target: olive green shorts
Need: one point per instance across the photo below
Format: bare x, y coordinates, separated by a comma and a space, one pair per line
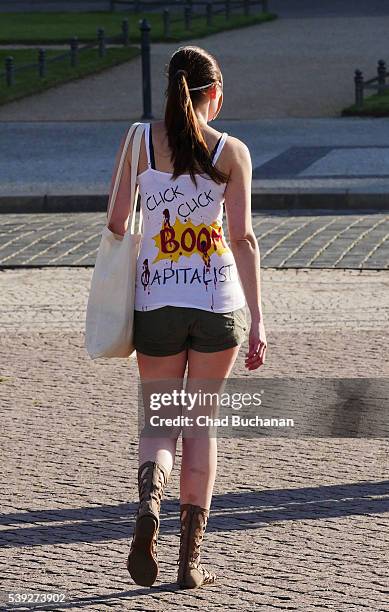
171, 329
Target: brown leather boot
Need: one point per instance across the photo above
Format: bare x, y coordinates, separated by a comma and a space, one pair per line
191, 574
142, 562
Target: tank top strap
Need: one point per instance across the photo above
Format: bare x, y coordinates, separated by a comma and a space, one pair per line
219, 147
149, 146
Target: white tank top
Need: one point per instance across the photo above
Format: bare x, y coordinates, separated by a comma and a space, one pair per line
184, 259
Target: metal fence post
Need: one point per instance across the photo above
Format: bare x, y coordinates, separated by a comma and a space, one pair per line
246, 7
74, 51
144, 27
125, 32
265, 6
137, 6
228, 9
188, 17
358, 81
381, 73
101, 41
112, 5
209, 13
166, 23
9, 70
42, 62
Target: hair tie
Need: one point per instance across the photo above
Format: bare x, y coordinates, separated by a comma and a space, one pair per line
184, 72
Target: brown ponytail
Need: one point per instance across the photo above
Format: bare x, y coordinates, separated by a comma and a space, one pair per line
189, 66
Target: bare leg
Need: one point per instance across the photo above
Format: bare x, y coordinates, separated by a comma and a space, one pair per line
199, 454
161, 449
156, 459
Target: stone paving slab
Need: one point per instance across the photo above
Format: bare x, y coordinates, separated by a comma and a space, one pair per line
77, 158
299, 240
316, 164
295, 524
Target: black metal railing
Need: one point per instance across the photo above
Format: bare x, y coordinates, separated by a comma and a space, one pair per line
214, 8
225, 7
138, 5
72, 55
101, 43
377, 83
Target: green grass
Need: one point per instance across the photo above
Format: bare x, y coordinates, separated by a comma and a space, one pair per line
220, 23
373, 106
27, 82
46, 28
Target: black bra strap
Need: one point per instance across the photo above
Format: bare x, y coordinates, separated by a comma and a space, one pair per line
215, 148
151, 149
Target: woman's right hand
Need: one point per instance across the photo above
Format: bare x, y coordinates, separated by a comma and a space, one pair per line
256, 355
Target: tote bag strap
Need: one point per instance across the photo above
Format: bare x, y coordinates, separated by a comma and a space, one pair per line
134, 169
138, 128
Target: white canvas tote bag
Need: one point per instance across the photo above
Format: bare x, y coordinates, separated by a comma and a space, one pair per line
110, 308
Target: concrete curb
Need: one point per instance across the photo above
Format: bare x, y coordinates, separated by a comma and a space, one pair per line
53, 204
336, 202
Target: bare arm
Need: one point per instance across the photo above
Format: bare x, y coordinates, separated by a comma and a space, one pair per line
243, 242
245, 247
119, 217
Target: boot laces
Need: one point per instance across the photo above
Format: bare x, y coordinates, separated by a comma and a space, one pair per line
197, 540
149, 490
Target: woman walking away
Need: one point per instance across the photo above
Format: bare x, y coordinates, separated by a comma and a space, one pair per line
192, 289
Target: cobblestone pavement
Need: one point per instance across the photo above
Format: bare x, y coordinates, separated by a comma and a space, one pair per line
295, 524
286, 241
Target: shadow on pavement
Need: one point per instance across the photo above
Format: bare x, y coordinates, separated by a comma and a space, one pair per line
242, 510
